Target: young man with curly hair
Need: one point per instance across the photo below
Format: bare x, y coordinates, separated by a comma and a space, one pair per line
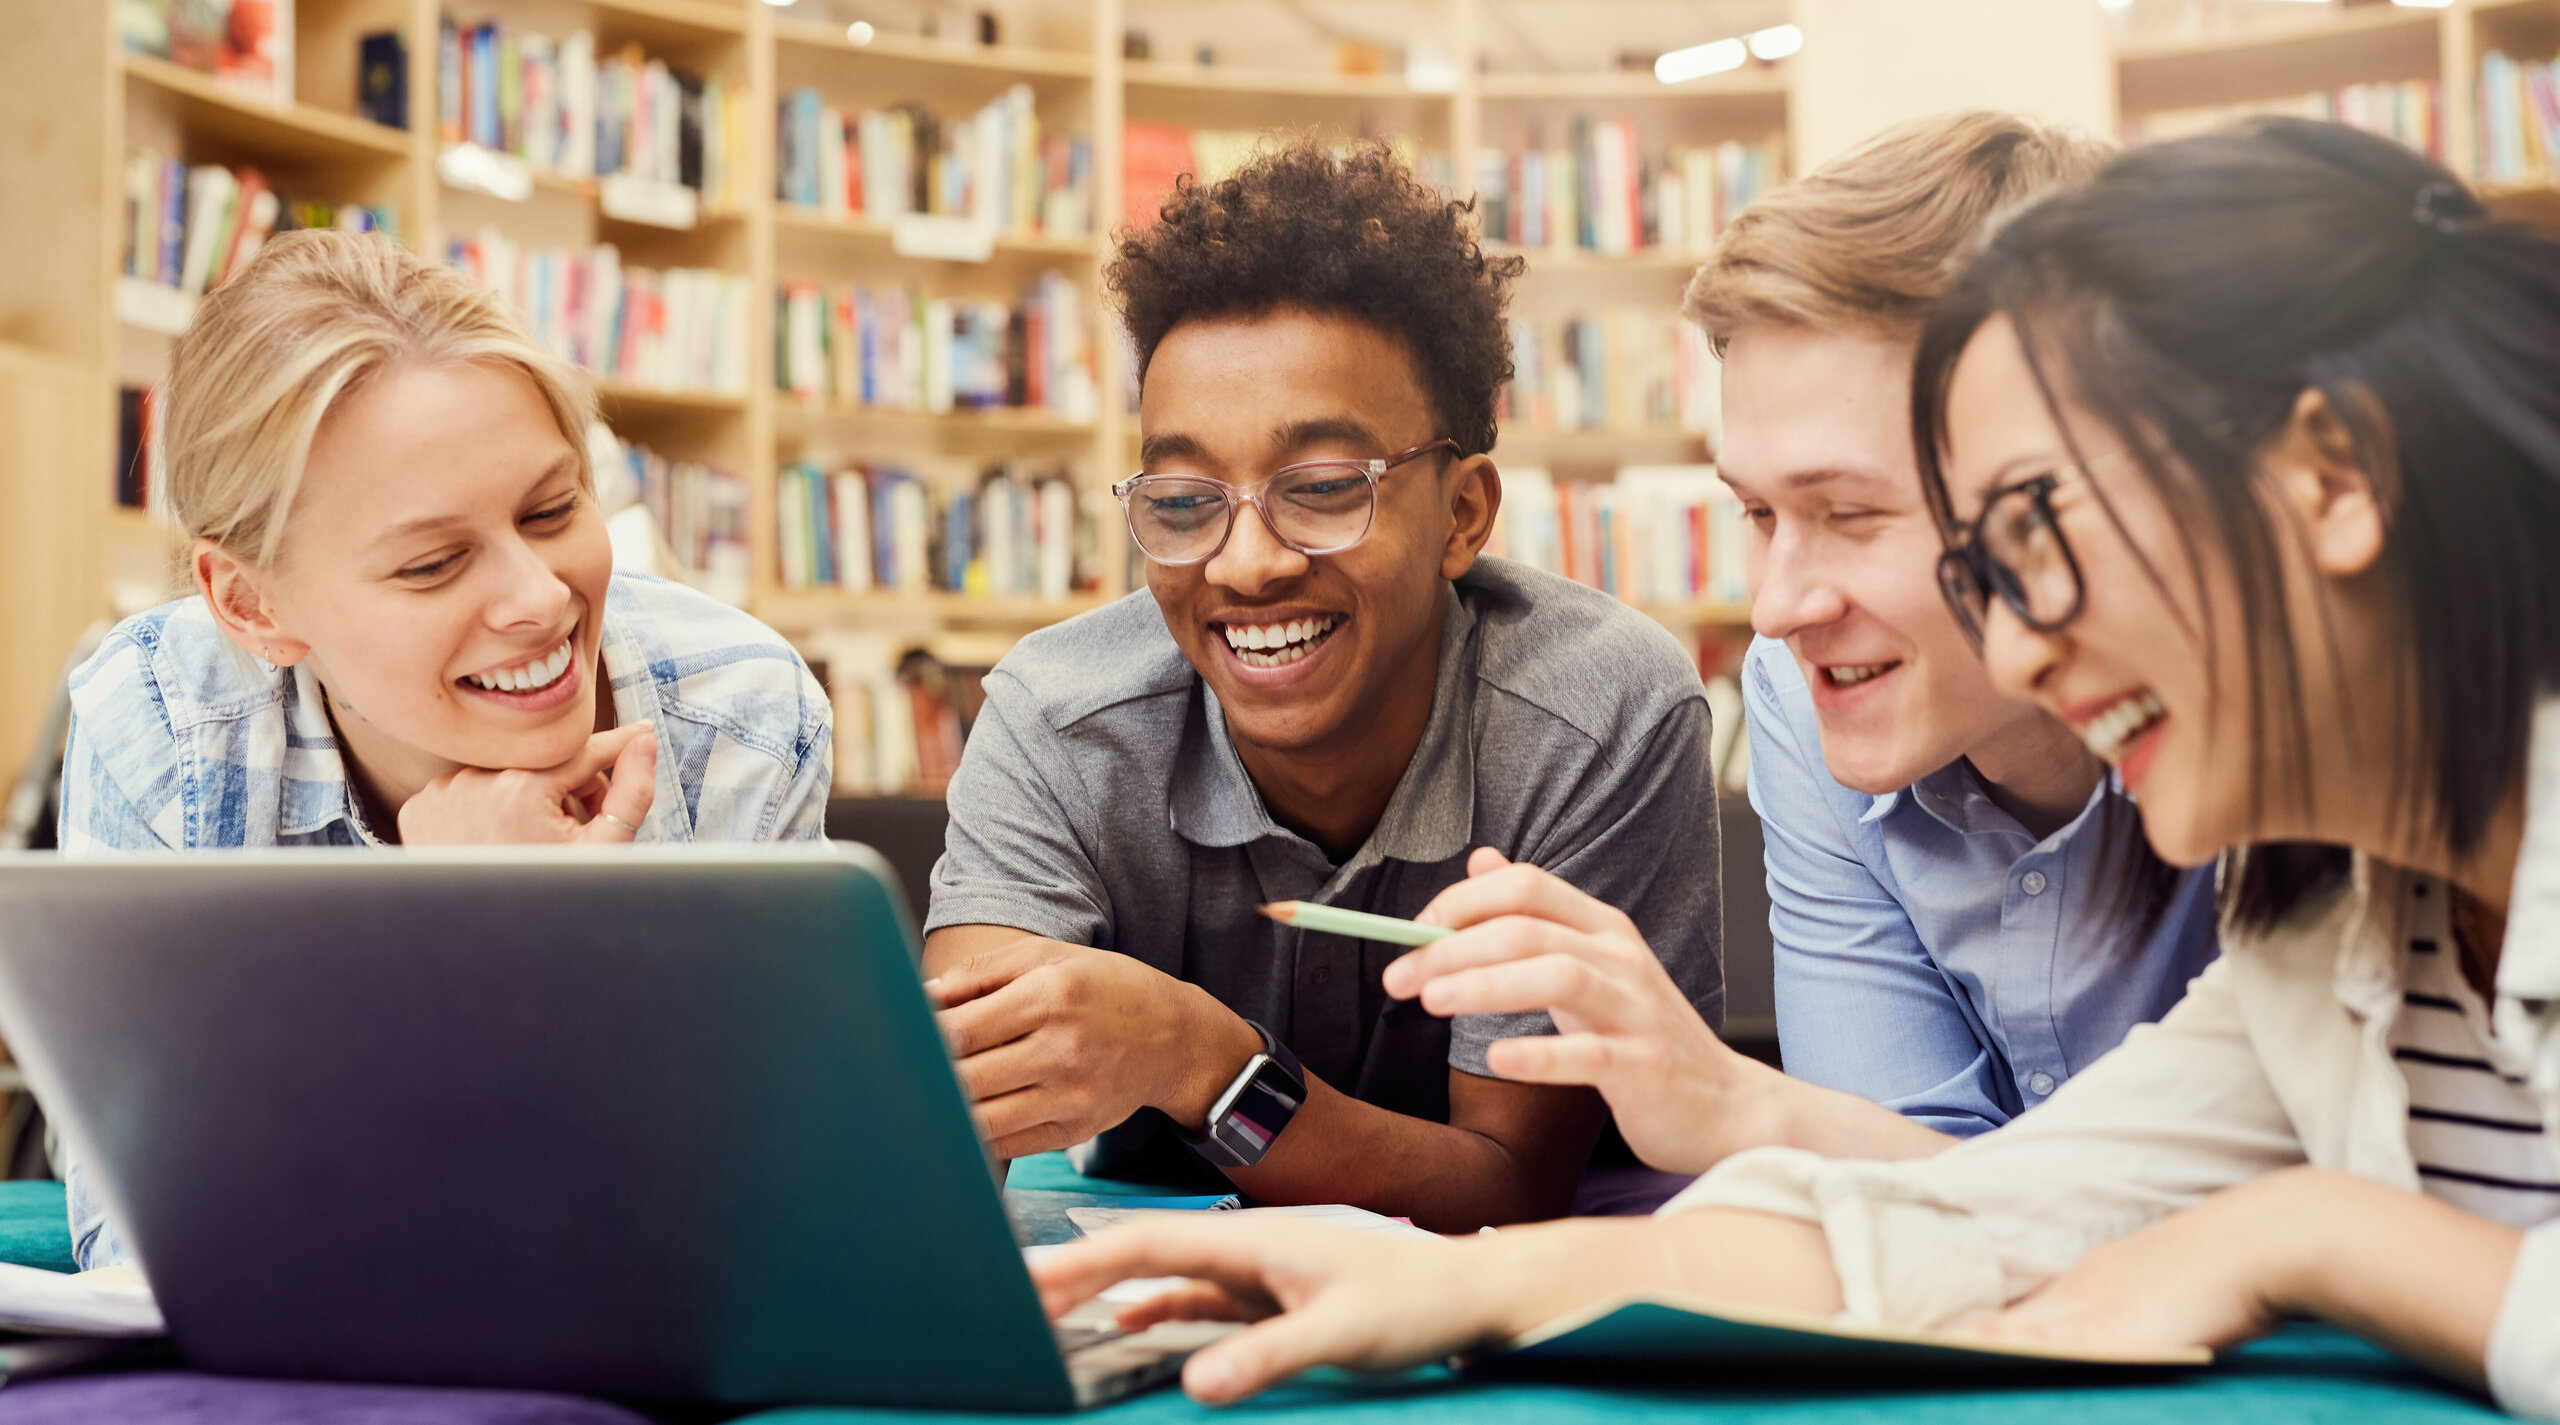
1324, 695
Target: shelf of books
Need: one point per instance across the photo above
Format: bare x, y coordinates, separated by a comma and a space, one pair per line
836, 270
2471, 83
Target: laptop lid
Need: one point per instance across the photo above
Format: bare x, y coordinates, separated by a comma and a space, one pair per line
649, 1122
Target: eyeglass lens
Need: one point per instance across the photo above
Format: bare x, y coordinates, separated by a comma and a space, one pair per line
1315, 509
2027, 556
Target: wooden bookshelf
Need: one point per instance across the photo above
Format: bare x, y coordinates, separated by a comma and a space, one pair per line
76, 106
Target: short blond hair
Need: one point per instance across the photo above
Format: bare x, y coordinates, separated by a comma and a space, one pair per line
306, 324
1867, 241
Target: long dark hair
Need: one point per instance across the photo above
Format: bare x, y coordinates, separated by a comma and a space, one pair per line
2187, 295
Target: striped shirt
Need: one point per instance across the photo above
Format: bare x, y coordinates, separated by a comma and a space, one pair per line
2474, 1128
180, 741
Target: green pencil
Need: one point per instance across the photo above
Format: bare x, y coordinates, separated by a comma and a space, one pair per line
1334, 920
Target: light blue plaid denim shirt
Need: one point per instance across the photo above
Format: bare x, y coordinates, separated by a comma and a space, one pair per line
179, 741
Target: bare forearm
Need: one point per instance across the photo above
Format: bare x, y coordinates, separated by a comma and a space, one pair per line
1532, 1275
2417, 1275
1839, 1125
1446, 1178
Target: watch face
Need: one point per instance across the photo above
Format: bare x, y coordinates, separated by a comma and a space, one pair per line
1268, 1101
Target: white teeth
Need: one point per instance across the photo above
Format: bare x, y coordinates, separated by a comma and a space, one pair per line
2128, 718
1849, 675
1285, 643
526, 677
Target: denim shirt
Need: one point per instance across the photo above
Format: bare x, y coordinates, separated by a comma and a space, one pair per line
180, 741
1933, 956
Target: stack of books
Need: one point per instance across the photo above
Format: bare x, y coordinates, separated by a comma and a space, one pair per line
566, 110
682, 330
701, 510
187, 228
2409, 112
1599, 192
996, 168
1661, 535
898, 348
899, 722
1623, 369
2519, 119
864, 528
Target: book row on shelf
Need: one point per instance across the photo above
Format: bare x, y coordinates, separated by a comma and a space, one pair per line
1600, 192
681, 329
699, 511
2409, 111
2519, 119
1623, 368
566, 110
898, 348
247, 45
861, 528
1656, 534
899, 726
187, 228
996, 167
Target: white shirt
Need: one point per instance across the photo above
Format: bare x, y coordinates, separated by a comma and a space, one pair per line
2280, 1054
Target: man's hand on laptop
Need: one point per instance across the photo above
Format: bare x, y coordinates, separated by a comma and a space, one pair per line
1057, 1042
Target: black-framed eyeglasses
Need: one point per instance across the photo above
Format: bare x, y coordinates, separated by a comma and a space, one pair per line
2015, 549
1314, 507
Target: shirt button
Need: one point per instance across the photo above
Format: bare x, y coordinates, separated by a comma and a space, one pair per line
2033, 884
1323, 975
2040, 1081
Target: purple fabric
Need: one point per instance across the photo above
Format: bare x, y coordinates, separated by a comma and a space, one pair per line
188, 1398
1626, 1190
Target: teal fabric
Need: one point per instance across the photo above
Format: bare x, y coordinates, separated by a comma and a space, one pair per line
34, 1228
2306, 1375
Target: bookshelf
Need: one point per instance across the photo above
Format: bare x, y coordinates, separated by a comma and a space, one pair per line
79, 106
2167, 84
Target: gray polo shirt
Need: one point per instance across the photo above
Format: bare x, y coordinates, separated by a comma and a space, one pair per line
1100, 802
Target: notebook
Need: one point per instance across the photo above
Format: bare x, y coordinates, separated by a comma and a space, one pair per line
1667, 1334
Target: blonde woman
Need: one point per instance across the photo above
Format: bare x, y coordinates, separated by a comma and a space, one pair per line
405, 617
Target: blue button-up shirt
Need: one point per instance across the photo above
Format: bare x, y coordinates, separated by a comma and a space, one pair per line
180, 741
1931, 954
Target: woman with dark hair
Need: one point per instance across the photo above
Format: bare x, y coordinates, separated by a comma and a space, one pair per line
2249, 455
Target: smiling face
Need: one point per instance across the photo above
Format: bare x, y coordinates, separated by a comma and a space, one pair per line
1843, 553
2153, 672
1307, 653
443, 573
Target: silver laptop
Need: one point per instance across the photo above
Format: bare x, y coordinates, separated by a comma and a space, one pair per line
652, 1123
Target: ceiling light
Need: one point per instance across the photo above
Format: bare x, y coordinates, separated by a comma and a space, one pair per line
1775, 42
859, 32
1698, 61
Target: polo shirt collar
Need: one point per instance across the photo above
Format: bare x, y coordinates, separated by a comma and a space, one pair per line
1429, 818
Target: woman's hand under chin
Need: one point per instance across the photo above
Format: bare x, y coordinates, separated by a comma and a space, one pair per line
577, 801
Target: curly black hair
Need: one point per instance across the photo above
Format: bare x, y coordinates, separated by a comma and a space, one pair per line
1301, 227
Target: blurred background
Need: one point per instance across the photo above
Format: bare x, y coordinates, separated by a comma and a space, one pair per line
834, 264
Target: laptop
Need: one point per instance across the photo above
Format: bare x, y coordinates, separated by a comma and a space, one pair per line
654, 1123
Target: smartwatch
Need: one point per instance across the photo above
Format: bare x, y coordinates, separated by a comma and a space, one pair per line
1266, 1094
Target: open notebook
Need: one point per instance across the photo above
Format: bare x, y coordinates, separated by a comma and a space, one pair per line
1668, 1334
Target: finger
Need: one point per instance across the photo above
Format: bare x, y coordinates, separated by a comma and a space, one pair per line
1495, 942
1522, 890
1039, 1138
625, 804
1024, 1063
1196, 1301
1484, 861
989, 970
1561, 981
1326, 1331
1008, 1013
598, 754
1230, 1254
1586, 1059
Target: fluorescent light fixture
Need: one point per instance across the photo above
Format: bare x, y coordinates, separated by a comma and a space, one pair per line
1775, 42
1698, 61
859, 32
2424, 4
779, 4
2115, 4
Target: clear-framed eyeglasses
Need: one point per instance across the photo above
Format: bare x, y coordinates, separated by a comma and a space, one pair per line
1314, 507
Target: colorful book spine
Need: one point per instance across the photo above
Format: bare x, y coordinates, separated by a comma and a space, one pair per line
997, 167
1624, 369
191, 228
899, 348
1601, 192
700, 511
1661, 535
564, 109
679, 329
868, 527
